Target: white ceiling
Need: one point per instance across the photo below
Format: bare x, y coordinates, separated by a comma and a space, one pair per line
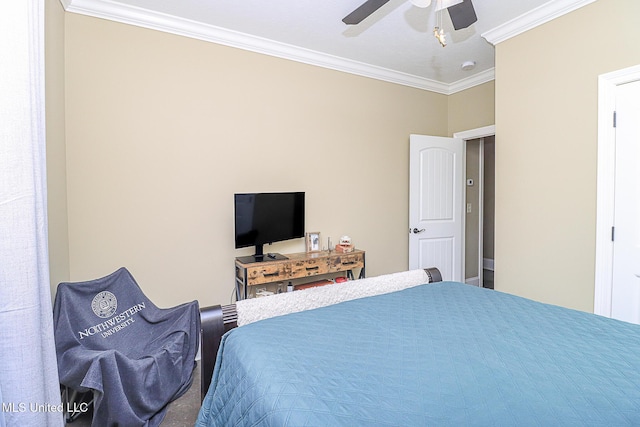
395, 44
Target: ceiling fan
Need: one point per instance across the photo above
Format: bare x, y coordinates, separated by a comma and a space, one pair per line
461, 12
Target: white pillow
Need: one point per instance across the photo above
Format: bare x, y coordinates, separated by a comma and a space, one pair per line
252, 310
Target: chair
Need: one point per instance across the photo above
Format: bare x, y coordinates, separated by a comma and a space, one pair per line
135, 358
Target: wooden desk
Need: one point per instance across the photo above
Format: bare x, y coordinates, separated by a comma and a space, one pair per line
296, 266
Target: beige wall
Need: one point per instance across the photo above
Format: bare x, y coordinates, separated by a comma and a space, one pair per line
162, 130
546, 115
472, 108
55, 134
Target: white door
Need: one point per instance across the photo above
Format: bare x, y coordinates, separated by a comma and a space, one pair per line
436, 173
625, 294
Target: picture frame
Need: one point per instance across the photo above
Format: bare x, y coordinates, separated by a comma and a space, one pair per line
312, 241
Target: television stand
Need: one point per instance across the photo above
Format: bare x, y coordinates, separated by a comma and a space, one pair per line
295, 266
249, 259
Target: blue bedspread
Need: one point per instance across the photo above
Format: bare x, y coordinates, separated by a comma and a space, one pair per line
438, 354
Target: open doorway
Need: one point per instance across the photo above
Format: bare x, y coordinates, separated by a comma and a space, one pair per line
479, 229
479, 211
489, 209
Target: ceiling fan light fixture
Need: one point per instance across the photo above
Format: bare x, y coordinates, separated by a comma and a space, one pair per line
421, 3
439, 34
438, 31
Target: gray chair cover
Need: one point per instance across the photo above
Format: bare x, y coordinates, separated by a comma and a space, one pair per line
136, 358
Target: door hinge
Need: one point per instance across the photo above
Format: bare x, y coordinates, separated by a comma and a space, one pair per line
613, 233
615, 119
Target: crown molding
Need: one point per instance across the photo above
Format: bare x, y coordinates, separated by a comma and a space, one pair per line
126, 14
471, 81
538, 16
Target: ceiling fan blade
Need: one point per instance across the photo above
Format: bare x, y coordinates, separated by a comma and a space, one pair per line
365, 9
462, 14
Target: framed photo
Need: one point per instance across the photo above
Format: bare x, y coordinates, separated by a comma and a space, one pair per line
313, 241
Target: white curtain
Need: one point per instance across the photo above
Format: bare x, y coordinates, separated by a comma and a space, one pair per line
29, 388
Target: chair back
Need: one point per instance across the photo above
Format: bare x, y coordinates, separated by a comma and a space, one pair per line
101, 314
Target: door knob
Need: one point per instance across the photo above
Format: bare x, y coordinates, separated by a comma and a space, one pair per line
416, 231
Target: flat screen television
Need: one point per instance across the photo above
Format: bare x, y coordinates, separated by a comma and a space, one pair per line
264, 218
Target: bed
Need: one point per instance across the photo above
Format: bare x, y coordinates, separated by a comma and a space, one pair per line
440, 353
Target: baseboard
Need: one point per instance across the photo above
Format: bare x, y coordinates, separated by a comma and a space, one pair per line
487, 264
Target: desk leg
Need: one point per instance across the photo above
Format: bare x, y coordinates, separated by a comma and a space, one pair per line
351, 277
241, 290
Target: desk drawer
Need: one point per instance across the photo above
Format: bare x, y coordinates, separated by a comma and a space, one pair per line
267, 273
309, 267
346, 262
